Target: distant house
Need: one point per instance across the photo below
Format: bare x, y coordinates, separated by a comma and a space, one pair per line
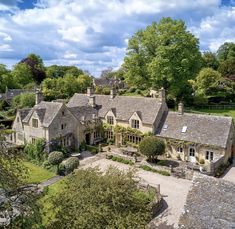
11, 93
90, 117
108, 82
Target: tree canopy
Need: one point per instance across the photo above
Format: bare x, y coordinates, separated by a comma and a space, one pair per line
152, 147
92, 199
163, 55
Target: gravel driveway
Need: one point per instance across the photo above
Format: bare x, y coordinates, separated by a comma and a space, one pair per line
173, 190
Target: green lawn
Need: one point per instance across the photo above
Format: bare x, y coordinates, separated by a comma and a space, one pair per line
217, 112
37, 174
47, 211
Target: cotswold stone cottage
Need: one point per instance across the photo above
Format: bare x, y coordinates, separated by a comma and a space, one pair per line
124, 119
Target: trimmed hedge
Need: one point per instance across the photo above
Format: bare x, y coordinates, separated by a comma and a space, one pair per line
70, 164
55, 157
162, 172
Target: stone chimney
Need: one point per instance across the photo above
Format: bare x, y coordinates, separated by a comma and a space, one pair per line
38, 96
91, 101
180, 108
112, 93
89, 91
162, 95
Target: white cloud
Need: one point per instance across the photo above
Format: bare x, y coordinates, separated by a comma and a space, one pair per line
94, 34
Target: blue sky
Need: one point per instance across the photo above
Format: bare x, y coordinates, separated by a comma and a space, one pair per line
93, 34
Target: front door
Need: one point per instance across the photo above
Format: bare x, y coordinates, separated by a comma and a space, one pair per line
88, 137
191, 155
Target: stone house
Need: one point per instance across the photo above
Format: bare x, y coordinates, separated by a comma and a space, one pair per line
126, 119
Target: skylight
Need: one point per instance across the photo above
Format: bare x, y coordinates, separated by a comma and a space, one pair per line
165, 126
184, 129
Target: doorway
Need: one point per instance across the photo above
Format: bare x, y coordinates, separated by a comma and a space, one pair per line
191, 155
88, 138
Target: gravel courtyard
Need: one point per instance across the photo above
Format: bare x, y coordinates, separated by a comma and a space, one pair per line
173, 190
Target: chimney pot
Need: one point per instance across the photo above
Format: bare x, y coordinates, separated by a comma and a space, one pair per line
181, 108
38, 96
112, 93
92, 101
89, 91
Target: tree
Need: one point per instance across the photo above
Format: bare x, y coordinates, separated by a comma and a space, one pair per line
71, 164
210, 60
163, 55
206, 79
227, 68
26, 100
226, 51
22, 75
151, 147
92, 199
14, 194
55, 71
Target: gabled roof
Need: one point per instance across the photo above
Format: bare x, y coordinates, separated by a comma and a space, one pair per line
83, 111
125, 106
46, 112
210, 204
203, 129
24, 112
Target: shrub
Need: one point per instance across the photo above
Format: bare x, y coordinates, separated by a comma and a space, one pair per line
132, 89
202, 161
151, 147
122, 160
162, 172
55, 157
92, 149
35, 152
70, 164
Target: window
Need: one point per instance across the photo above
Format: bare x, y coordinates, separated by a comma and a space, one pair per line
209, 155
33, 140
110, 120
165, 127
180, 149
134, 139
63, 126
191, 152
184, 129
20, 136
135, 123
35, 122
96, 134
18, 119
109, 134
63, 114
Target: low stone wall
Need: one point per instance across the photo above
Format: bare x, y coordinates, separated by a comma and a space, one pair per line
157, 167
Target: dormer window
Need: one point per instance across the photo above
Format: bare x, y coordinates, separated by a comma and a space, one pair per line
110, 120
18, 119
63, 126
184, 129
135, 123
165, 127
35, 123
63, 114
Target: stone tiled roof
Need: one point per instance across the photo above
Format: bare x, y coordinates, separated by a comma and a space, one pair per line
105, 82
46, 112
83, 111
11, 93
210, 204
204, 129
124, 106
23, 113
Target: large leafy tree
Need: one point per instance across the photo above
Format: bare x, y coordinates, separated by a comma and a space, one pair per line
92, 199
163, 55
26, 100
226, 51
210, 60
210, 83
36, 67
56, 71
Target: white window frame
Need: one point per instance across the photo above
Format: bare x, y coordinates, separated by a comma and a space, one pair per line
209, 155
35, 121
135, 123
189, 151
110, 120
180, 149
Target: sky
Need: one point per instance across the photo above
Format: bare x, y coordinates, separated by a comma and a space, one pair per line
93, 34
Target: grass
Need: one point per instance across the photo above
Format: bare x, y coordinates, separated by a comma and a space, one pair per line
47, 211
121, 160
37, 174
228, 112
162, 172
